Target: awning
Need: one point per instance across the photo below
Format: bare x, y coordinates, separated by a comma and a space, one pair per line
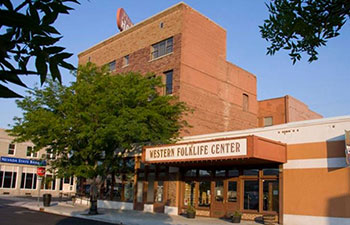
247, 149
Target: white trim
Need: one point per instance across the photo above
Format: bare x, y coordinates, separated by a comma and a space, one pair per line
289, 219
170, 210
115, 205
315, 163
308, 131
148, 208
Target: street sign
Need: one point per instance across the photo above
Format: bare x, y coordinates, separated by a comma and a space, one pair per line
40, 171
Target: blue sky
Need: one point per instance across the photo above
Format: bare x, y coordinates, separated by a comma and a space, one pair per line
323, 85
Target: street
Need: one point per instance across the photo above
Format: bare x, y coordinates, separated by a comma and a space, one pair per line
11, 215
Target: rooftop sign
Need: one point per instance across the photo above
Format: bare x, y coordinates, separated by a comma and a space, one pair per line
123, 20
196, 151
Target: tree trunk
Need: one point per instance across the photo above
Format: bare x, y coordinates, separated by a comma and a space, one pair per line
111, 196
93, 197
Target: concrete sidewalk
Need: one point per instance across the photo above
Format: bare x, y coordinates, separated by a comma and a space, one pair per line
125, 217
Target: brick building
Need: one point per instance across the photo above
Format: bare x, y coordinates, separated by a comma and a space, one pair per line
225, 162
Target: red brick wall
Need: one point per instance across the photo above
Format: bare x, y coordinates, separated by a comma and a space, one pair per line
202, 77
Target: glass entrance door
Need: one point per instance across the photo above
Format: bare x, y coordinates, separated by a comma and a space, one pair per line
225, 199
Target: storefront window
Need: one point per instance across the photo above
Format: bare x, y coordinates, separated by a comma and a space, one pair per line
190, 193
219, 191
251, 172
220, 173
139, 195
1, 176
8, 179
28, 181
233, 173
271, 195
204, 194
191, 173
271, 171
251, 194
159, 194
205, 173
150, 188
48, 183
128, 192
232, 191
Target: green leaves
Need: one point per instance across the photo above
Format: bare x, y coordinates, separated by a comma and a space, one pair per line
96, 118
27, 33
302, 26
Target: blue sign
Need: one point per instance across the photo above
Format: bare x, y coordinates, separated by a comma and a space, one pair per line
22, 161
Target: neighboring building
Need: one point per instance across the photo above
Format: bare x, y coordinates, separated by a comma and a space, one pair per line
18, 170
283, 110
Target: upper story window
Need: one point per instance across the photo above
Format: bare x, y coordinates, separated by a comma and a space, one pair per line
162, 48
126, 60
245, 102
30, 152
268, 121
11, 150
112, 66
168, 82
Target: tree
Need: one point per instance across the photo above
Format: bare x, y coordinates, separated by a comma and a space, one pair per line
302, 26
26, 32
91, 124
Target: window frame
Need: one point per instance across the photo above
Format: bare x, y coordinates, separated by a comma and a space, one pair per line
264, 123
14, 149
158, 47
169, 86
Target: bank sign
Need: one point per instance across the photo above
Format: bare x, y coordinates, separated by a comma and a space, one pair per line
22, 161
197, 151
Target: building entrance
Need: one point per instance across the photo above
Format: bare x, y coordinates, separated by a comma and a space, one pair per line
225, 200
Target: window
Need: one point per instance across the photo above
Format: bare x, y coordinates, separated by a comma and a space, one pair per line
139, 193
245, 102
129, 192
190, 193
150, 188
168, 82
11, 150
268, 121
159, 191
271, 195
112, 66
30, 152
50, 154
162, 48
48, 183
251, 194
28, 180
219, 191
8, 177
126, 60
232, 191
204, 197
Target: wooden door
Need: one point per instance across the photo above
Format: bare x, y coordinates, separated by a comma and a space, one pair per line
160, 197
231, 196
218, 208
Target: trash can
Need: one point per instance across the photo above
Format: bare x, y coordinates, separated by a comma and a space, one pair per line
47, 199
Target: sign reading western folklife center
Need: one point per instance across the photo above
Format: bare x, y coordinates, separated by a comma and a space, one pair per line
197, 151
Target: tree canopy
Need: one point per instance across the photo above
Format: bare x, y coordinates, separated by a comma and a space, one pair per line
27, 32
302, 26
91, 124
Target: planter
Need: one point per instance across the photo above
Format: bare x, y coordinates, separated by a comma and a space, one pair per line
191, 215
47, 199
236, 219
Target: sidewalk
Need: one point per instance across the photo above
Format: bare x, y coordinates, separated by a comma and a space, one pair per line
125, 217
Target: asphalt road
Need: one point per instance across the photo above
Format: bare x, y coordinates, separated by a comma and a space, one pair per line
10, 215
